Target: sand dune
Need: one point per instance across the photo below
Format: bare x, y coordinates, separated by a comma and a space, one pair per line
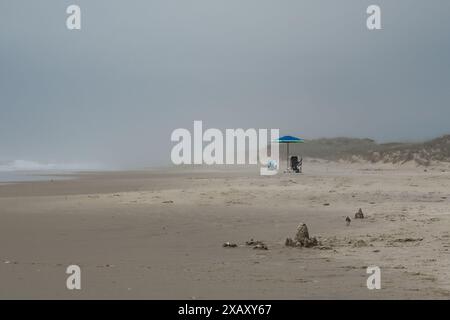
432, 152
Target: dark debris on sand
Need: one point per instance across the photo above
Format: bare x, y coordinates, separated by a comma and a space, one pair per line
257, 244
229, 245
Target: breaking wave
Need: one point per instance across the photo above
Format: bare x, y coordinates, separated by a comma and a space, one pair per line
25, 165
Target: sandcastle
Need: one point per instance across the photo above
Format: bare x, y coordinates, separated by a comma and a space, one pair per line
359, 214
302, 238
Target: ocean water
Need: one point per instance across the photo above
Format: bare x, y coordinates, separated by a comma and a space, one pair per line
22, 170
15, 176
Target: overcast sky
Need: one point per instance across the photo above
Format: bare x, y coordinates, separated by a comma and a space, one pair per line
115, 90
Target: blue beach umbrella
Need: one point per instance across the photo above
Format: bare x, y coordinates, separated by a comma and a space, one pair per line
288, 140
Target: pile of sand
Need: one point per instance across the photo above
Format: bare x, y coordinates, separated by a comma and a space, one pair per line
302, 238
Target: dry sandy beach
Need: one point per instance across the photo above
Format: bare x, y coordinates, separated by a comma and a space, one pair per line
159, 234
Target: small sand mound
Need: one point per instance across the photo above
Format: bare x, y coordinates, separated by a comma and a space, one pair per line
302, 238
302, 232
359, 214
347, 221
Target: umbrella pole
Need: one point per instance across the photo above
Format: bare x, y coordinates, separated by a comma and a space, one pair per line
287, 160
